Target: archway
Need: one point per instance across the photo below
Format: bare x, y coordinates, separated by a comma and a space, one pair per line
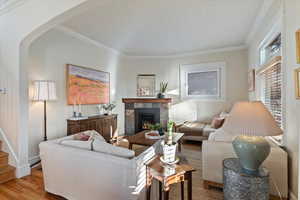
22, 27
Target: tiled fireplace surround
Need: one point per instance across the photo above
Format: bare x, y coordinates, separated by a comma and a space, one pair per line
134, 107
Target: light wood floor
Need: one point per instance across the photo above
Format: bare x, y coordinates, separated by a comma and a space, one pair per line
31, 187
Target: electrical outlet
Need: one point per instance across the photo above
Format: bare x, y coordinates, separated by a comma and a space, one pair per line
3, 90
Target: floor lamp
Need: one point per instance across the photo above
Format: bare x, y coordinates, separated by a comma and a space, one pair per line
44, 91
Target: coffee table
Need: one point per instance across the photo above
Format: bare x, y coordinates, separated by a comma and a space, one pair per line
140, 139
167, 175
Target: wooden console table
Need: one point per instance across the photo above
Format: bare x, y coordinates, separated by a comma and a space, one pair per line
104, 124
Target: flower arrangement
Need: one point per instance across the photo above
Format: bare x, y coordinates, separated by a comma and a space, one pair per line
108, 107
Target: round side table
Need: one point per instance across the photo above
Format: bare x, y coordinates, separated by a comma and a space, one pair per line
241, 186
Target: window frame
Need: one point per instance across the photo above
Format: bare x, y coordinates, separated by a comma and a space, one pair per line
270, 36
187, 69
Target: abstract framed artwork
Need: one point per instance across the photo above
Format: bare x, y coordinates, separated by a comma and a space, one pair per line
298, 46
87, 86
297, 83
251, 80
146, 85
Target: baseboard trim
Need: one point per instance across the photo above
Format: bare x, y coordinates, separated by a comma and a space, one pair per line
23, 170
34, 159
292, 196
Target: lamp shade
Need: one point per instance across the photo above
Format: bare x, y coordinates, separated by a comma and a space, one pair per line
44, 90
252, 119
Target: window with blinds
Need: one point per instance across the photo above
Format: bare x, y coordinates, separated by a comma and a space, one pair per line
271, 93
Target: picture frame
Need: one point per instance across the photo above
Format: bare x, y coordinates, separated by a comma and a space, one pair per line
297, 83
251, 80
298, 46
87, 86
146, 85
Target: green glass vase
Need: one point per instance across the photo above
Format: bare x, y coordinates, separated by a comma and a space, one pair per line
251, 151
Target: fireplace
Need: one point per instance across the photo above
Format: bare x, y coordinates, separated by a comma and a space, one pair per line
145, 117
141, 111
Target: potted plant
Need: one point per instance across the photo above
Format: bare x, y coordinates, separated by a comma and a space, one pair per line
158, 128
169, 147
162, 90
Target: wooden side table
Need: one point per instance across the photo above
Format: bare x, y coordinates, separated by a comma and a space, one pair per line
167, 175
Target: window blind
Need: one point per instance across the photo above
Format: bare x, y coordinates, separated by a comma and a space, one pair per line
272, 88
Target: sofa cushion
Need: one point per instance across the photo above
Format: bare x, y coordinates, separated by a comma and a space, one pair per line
224, 115
104, 147
87, 145
191, 128
207, 130
95, 135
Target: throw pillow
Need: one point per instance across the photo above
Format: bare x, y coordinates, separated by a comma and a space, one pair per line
81, 137
87, 145
104, 147
217, 122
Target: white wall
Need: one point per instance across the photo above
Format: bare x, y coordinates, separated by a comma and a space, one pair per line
292, 24
49, 55
167, 69
273, 22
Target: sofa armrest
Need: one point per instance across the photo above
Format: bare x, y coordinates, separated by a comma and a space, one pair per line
213, 154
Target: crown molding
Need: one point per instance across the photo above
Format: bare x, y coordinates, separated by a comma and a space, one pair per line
259, 20
194, 53
127, 55
85, 39
8, 5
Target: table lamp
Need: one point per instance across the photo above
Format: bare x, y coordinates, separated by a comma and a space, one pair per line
251, 121
44, 90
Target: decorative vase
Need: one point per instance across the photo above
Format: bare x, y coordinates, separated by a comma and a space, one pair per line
161, 131
251, 151
161, 95
169, 152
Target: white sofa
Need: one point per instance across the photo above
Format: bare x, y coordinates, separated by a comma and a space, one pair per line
79, 174
214, 152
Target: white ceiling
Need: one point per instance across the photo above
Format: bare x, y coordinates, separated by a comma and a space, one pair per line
167, 27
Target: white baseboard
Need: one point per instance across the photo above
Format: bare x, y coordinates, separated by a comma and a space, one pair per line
34, 159
292, 196
23, 170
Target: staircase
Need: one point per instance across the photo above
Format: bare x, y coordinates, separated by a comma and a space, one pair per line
7, 172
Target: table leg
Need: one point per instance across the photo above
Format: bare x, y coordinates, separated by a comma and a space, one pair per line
148, 192
179, 145
130, 146
182, 190
166, 195
160, 191
190, 184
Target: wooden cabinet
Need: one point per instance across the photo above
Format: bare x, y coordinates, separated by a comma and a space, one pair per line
103, 124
